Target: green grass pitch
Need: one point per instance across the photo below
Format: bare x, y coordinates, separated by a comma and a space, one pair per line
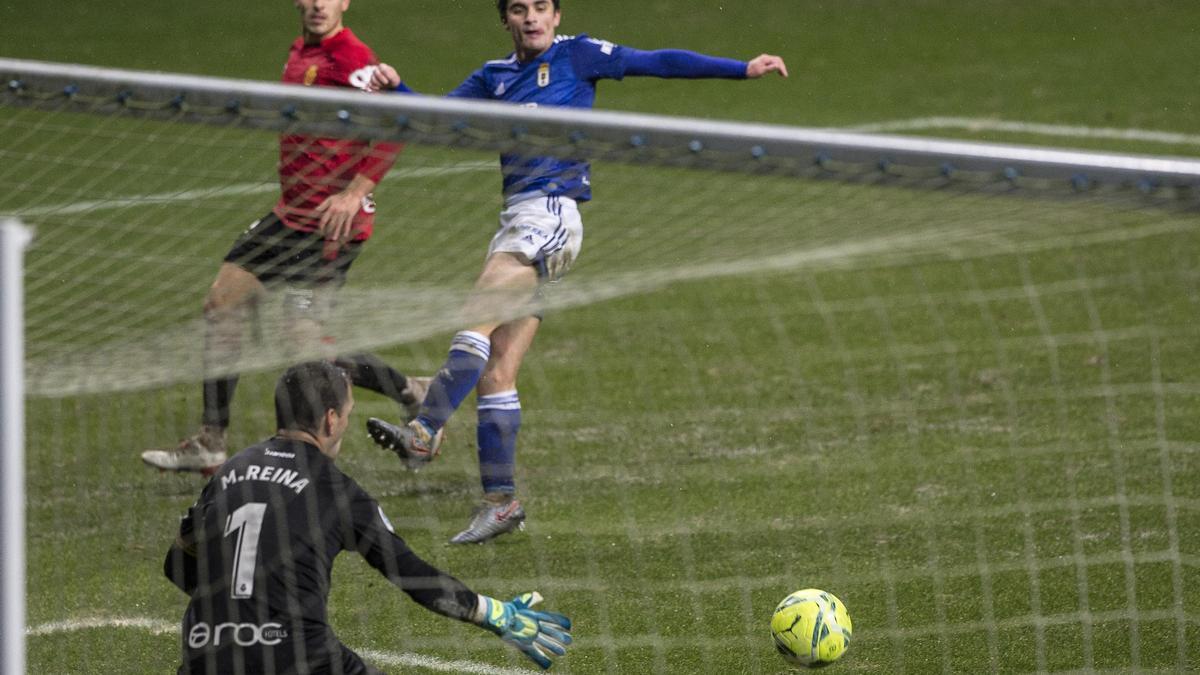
972, 418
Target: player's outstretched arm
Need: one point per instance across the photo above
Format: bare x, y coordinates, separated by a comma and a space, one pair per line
764, 64
681, 63
536, 634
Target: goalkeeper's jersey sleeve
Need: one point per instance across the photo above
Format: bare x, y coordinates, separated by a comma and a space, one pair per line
266, 531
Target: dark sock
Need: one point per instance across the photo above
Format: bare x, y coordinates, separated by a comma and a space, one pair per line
218, 395
370, 372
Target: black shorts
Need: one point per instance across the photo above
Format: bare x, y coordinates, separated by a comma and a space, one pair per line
275, 253
351, 664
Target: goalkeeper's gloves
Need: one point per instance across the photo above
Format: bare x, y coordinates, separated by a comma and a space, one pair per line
534, 633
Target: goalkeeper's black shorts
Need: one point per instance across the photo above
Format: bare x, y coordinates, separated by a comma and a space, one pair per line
351, 664
275, 253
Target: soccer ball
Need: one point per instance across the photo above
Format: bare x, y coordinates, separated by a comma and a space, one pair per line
811, 628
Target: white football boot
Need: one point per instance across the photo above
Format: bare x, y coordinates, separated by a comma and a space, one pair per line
490, 521
203, 453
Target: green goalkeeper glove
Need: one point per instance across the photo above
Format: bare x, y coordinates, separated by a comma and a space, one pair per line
534, 633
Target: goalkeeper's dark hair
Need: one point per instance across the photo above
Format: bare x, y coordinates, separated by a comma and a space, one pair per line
306, 391
502, 5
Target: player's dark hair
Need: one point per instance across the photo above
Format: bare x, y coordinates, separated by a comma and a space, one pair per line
502, 5
306, 391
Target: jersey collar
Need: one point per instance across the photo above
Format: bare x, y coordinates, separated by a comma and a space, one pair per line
512, 63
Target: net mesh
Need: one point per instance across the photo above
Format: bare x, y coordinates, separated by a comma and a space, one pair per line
963, 403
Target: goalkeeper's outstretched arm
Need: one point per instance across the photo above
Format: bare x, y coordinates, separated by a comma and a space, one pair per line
539, 635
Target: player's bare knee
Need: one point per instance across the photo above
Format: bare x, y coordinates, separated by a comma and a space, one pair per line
223, 302
217, 312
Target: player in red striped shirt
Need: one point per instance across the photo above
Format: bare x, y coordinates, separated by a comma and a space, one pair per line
304, 246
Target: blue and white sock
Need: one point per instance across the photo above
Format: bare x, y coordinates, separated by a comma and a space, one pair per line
469, 352
499, 421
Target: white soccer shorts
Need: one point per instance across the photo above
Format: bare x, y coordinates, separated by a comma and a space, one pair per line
544, 230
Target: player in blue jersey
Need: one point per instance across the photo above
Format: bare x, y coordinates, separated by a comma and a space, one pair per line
539, 237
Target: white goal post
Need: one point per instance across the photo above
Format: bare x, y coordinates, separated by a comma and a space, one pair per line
13, 240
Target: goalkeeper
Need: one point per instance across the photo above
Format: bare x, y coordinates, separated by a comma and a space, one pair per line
256, 550
305, 246
539, 237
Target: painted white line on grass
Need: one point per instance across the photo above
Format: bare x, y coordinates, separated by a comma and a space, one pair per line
240, 190
433, 663
1062, 130
237, 190
155, 626
160, 627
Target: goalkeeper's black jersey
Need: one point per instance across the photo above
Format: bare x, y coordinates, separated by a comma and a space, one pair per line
266, 530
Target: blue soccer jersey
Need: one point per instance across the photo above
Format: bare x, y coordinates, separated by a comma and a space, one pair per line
566, 75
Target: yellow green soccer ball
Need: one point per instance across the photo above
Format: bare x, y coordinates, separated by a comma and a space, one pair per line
811, 628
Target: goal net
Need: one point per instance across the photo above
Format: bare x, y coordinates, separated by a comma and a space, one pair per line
952, 383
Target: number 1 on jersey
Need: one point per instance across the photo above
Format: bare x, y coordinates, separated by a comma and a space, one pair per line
247, 523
